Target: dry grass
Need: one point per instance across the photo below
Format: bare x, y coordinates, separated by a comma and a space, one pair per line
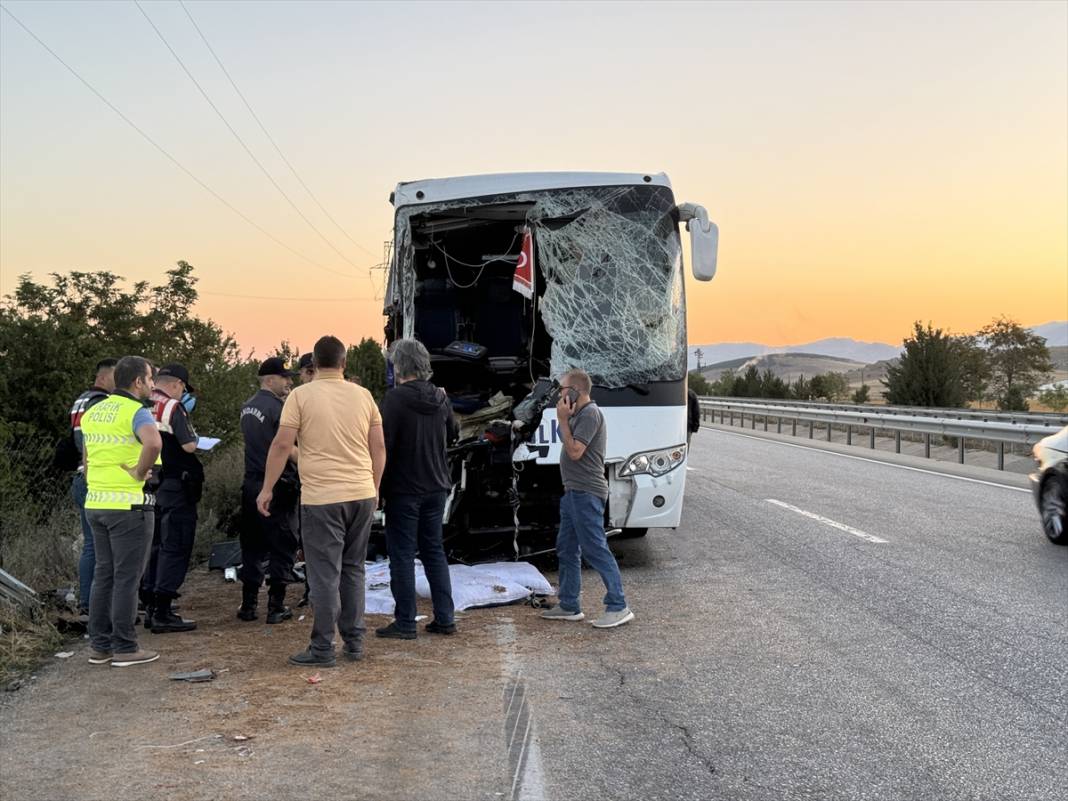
41, 539
26, 639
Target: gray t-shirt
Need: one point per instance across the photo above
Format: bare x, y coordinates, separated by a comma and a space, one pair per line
586, 474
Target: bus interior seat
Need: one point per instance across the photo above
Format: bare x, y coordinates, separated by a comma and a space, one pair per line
435, 314
500, 318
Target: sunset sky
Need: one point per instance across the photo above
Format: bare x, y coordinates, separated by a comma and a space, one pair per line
869, 164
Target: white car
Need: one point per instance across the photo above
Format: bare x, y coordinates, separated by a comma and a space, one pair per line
1050, 485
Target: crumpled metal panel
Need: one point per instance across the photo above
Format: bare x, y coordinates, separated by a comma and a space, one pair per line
611, 262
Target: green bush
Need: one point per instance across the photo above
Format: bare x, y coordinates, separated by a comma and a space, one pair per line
220, 508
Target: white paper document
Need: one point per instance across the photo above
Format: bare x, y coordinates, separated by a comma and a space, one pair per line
207, 443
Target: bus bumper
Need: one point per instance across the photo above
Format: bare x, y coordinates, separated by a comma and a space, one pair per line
646, 501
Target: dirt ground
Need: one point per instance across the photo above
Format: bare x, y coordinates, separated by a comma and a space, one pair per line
413, 719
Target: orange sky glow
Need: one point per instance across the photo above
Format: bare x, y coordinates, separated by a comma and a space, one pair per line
868, 164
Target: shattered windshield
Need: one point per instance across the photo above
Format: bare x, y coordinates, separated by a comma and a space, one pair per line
609, 259
612, 302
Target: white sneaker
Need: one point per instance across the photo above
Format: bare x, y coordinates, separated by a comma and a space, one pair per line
610, 620
559, 613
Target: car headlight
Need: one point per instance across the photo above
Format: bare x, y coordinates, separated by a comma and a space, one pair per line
655, 463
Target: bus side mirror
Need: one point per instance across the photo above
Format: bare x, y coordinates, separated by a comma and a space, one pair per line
704, 240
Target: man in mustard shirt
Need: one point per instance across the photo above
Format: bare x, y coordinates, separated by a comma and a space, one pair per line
342, 457
121, 445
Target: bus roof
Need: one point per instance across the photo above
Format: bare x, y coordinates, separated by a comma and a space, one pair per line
439, 190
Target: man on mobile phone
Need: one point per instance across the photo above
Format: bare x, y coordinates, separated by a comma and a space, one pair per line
581, 535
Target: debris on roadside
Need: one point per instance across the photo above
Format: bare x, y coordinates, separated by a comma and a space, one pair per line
195, 676
13, 590
315, 678
64, 654
183, 744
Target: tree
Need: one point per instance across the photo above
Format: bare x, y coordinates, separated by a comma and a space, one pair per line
1019, 362
771, 386
861, 395
928, 373
1056, 398
52, 335
831, 386
747, 385
801, 389
723, 387
699, 384
974, 367
365, 364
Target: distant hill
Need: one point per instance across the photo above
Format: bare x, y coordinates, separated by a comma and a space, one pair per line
836, 347
787, 366
1056, 333
1059, 356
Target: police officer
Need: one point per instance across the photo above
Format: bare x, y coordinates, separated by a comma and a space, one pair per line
121, 444
181, 482
103, 385
307, 368
272, 538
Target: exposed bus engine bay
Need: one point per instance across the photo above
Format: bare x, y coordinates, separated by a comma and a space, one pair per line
603, 267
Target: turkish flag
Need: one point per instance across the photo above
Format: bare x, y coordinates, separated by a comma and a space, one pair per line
523, 280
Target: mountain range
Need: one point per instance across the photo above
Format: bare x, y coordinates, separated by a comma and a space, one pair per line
1055, 333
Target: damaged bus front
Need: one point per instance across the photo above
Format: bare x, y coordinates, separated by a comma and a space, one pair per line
511, 280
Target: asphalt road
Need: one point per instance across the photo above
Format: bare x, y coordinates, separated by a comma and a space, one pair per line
776, 656
821, 626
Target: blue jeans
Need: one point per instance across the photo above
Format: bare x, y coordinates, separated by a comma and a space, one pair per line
87, 561
414, 522
581, 536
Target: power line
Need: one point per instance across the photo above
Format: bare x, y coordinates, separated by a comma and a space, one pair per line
237, 136
171, 158
287, 300
270, 138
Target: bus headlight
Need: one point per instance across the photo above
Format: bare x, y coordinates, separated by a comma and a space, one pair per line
655, 463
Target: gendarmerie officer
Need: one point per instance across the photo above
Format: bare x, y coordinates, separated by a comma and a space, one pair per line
272, 538
181, 483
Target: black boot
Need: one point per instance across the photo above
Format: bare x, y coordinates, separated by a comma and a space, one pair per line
164, 619
249, 601
277, 611
145, 601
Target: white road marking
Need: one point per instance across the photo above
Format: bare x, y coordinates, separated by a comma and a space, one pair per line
691, 469
856, 532
528, 780
873, 461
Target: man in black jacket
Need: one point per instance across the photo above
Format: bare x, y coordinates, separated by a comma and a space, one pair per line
693, 406
417, 423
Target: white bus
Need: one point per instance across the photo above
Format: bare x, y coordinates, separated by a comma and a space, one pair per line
509, 280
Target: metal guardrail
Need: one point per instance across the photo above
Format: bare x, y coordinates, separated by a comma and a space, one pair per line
998, 430
1035, 418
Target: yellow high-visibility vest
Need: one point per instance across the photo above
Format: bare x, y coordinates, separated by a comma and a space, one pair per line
107, 429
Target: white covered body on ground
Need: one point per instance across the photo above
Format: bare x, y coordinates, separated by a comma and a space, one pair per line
472, 585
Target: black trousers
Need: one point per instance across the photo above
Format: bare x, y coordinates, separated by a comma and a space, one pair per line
172, 541
272, 539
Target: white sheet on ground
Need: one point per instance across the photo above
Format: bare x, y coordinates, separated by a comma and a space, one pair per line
472, 585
